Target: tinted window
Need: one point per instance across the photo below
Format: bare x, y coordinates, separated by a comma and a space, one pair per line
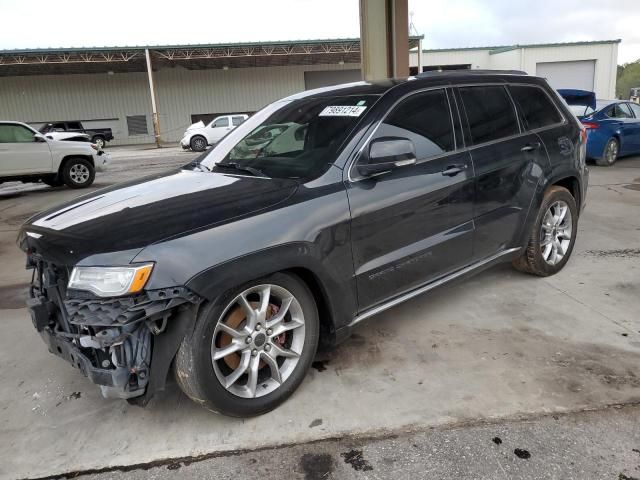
424, 119
221, 122
635, 108
58, 126
74, 125
489, 112
536, 108
15, 134
237, 121
619, 110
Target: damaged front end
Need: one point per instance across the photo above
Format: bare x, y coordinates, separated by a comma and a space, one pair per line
124, 344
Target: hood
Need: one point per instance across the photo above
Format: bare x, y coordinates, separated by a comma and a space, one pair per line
195, 126
136, 214
583, 98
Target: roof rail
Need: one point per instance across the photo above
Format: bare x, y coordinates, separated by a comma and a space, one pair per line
468, 71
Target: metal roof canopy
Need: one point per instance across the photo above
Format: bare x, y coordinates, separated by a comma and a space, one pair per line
60, 61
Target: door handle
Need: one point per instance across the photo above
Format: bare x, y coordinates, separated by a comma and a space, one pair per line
453, 170
530, 147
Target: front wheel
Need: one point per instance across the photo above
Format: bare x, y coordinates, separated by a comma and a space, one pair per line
251, 349
198, 143
553, 234
610, 155
78, 173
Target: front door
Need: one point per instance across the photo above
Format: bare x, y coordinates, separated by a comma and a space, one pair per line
21, 152
219, 128
415, 223
504, 159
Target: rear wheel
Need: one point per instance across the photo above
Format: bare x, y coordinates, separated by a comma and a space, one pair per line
553, 234
610, 154
99, 141
78, 173
251, 349
198, 143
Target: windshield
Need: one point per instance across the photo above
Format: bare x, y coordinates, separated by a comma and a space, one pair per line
291, 138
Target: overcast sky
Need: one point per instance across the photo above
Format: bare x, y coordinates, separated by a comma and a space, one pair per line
445, 23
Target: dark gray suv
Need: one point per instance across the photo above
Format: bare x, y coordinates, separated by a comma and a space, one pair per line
233, 269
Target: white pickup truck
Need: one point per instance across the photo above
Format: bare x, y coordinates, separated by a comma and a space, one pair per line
26, 155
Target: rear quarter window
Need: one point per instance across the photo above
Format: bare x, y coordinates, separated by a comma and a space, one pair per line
489, 112
535, 107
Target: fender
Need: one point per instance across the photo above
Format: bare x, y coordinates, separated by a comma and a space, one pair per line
337, 300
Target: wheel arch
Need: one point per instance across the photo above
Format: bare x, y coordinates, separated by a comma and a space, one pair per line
66, 158
336, 302
572, 184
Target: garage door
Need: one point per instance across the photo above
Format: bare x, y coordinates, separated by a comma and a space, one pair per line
577, 75
325, 78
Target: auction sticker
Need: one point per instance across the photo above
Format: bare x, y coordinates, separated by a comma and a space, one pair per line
342, 111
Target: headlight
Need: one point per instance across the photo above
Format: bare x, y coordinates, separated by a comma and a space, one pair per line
110, 281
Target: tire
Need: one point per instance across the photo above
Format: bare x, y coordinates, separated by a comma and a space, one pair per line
200, 376
550, 245
198, 143
99, 141
78, 173
610, 155
53, 181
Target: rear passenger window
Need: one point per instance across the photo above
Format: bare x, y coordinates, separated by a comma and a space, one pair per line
535, 107
237, 121
425, 119
489, 112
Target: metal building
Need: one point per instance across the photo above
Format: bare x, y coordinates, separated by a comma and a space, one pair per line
110, 87
583, 65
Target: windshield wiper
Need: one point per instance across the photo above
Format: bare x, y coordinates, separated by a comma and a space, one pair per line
243, 168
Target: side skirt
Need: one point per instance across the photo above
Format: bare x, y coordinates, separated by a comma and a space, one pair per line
474, 268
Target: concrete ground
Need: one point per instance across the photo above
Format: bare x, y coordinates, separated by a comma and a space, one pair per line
499, 346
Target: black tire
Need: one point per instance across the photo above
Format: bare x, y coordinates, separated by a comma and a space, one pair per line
198, 143
78, 173
610, 155
100, 141
194, 367
53, 181
532, 259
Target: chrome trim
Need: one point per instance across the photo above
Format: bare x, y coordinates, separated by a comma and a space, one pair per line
430, 286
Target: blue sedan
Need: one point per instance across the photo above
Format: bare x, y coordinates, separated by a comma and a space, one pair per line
613, 126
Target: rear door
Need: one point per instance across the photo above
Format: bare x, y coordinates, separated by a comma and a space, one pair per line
504, 158
415, 223
20, 153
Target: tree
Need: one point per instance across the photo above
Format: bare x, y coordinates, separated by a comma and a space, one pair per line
628, 77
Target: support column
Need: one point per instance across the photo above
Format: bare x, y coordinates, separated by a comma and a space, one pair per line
384, 38
154, 108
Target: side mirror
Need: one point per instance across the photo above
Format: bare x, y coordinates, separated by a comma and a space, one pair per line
39, 138
386, 154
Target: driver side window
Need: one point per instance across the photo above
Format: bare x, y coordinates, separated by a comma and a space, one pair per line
221, 122
15, 134
425, 119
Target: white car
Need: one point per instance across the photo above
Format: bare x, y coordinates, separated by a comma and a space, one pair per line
199, 136
26, 155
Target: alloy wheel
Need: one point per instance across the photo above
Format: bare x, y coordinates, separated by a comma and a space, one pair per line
555, 232
79, 173
100, 143
612, 151
199, 143
258, 341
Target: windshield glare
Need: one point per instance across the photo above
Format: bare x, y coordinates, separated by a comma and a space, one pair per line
291, 139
